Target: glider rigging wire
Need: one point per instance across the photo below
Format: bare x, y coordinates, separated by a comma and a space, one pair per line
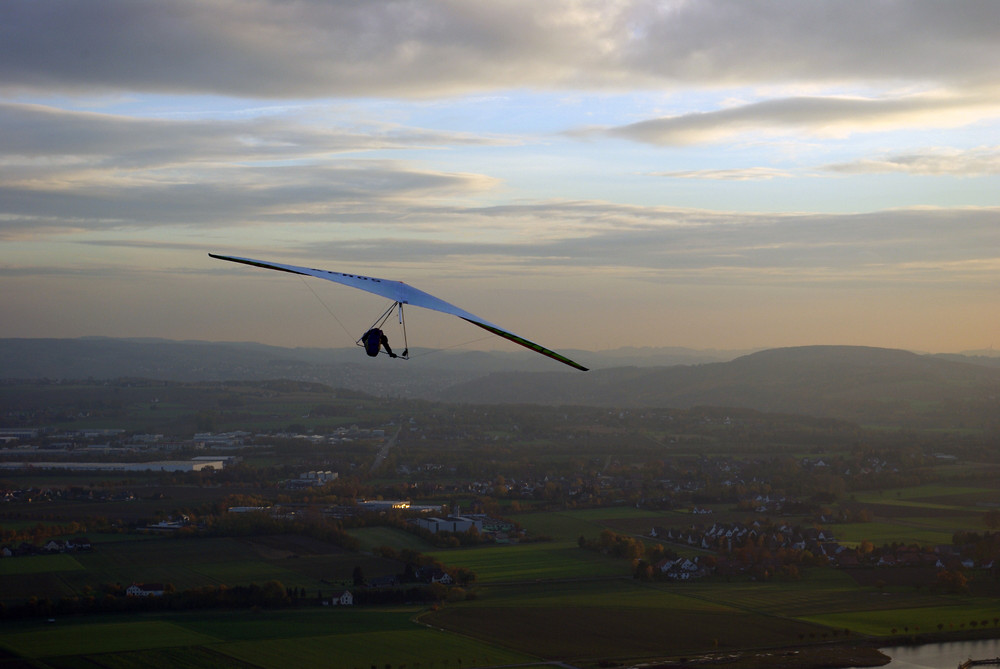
328, 310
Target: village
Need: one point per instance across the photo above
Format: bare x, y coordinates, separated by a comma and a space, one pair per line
764, 548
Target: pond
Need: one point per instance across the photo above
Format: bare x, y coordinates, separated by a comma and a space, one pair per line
941, 655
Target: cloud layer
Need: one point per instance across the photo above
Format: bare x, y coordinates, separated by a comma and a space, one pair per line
268, 49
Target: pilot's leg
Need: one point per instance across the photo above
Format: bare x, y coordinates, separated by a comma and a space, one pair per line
385, 345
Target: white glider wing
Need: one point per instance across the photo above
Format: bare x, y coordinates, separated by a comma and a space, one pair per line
404, 294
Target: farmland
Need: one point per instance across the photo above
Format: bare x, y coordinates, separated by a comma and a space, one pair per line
269, 640
185, 564
605, 616
543, 600
547, 591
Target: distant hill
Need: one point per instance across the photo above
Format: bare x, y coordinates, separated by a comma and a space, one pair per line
428, 373
192, 361
867, 385
975, 357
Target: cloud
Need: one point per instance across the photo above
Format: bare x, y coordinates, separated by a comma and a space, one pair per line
976, 162
824, 116
350, 191
423, 48
70, 171
34, 132
736, 174
682, 245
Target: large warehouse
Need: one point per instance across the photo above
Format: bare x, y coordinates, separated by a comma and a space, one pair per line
158, 466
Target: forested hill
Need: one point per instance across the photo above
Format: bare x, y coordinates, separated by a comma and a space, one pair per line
867, 385
426, 374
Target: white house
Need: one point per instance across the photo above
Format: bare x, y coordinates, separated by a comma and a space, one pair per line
145, 590
343, 599
686, 565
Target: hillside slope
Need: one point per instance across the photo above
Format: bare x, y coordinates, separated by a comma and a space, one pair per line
430, 370
869, 385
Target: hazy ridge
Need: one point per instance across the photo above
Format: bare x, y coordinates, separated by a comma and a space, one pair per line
426, 374
864, 384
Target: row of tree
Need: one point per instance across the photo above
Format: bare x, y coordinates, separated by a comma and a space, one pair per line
111, 598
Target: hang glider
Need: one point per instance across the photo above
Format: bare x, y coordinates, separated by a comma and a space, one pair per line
401, 294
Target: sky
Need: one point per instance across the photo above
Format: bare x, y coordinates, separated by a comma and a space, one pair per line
589, 174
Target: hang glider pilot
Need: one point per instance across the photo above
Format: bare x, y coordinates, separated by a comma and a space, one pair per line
372, 339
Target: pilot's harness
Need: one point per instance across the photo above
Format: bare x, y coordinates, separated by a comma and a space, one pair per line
380, 321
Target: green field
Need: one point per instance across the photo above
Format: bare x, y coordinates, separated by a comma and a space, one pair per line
925, 619
572, 620
183, 563
969, 501
606, 593
570, 525
927, 514
561, 526
905, 530
930, 491
380, 648
39, 564
602, 618
92, 638
373, 537
528, 562
595, 632
266, 640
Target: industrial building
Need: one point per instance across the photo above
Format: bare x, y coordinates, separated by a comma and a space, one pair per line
159, 466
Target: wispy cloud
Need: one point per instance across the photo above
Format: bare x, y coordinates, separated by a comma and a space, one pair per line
70, 171
831, 116
681, 245
35, 131
736, 174
928, 162
350, 192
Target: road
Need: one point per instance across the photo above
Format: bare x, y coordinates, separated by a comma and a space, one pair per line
383, 452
